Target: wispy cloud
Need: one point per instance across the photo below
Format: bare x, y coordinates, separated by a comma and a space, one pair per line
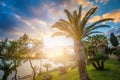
102, 1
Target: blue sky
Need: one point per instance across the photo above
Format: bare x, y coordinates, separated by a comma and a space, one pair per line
35, 17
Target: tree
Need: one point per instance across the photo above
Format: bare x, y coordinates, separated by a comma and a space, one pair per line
7, 67
97, 50
100, 41
75, 27
14, 55
33, 46
113, 40
40, 55
7, 51
13, 50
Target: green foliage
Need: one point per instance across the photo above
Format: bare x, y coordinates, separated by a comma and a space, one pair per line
47, 77
98, 39
110, 72
114, 40
98, 57
116, 52
7, 67
96, 49
62, 70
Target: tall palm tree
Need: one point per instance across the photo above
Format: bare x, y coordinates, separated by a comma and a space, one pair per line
75, 27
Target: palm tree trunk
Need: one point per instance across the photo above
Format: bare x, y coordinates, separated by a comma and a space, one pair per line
80, 55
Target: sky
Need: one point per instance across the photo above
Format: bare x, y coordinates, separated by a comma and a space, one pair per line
35, 17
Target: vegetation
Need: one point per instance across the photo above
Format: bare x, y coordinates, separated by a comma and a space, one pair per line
110, 73
62, 70
114, 40
7, 67
47, 66
35, 48
75, 27
90, 55
97, 50
117, 53
13, 51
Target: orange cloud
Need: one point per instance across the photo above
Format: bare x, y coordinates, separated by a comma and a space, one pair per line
85, 3
95, 18
114, 14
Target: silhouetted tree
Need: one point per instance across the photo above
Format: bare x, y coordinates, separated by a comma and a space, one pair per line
113, 40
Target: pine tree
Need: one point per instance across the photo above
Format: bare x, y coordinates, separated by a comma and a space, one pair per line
113, 40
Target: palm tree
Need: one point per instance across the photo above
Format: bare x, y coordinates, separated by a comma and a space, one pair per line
100, 41
97, 50
75, 27
7, 68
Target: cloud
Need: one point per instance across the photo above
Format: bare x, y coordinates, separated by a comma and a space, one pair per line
102, 1
94, 19
56, 8
35, 17
113, 14
85, 3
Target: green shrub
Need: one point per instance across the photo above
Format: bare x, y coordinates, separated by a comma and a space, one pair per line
47, 77
97, 57
117, 53
62, 70
98, 60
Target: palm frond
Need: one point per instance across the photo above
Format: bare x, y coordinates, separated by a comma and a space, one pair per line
69, 15
100, 21
95, 27
61, 34
64, 26
87, 16
88, 33
58, 34
79, 13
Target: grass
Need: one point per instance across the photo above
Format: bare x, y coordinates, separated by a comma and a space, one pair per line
111, 72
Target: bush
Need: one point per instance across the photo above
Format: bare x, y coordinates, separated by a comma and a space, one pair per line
62, 70
98, 60
47, 77
117, 53
73, 67
97, 57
